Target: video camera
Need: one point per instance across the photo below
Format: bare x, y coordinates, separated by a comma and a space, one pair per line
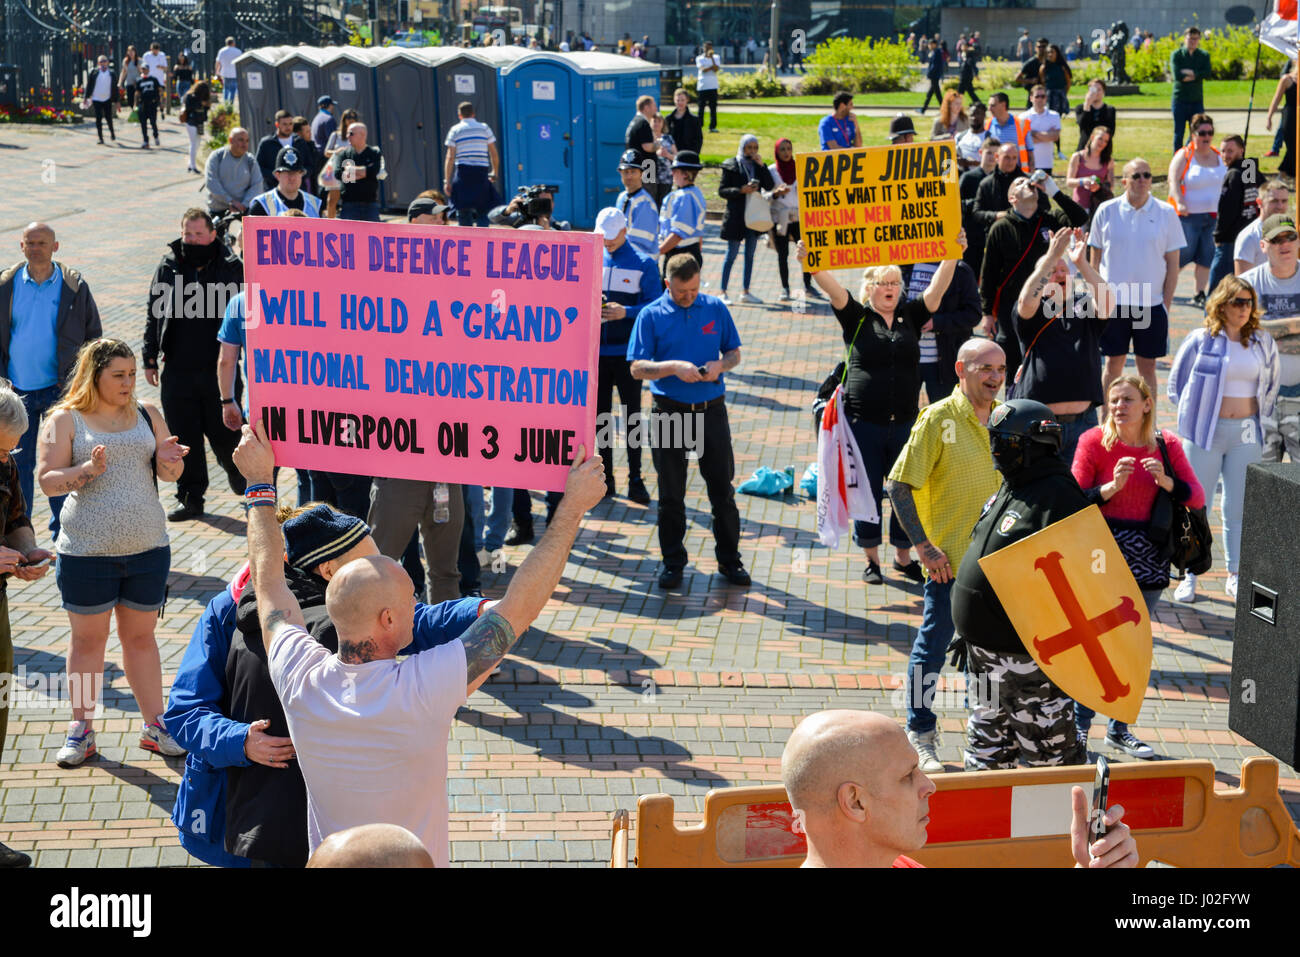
531, 204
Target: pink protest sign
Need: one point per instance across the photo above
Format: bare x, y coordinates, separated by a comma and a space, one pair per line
424, 352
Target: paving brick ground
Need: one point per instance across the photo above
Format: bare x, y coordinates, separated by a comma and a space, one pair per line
620, 690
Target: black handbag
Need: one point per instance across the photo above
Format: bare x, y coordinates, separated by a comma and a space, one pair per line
1182, 532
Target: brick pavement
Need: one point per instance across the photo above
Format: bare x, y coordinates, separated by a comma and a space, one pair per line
620, 689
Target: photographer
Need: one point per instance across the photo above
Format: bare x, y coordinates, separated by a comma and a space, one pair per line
532, 206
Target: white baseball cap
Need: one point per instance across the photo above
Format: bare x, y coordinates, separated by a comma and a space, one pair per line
610, 222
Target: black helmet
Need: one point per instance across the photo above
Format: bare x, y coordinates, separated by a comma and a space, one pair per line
1015, 426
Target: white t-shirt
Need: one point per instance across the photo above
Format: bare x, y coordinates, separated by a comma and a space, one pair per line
709, 80
968, 144
1133, 243
1278, 299
102, 91
156, 62
1247, 245
1047, 121
226, 58
371, 739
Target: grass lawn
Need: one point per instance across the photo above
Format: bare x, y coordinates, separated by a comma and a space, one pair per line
1219, 95
1150, 139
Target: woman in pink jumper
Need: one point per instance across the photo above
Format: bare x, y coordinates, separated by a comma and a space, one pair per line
1120, 466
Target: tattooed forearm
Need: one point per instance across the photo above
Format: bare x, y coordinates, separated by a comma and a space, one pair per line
486, 642
79, 478
274, 618
904, 505
358, 652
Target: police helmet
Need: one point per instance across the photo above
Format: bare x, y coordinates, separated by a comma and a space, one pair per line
1027, 419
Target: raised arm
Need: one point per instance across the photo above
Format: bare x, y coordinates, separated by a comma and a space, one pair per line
836, 293
939, 282
276, 606
492, 636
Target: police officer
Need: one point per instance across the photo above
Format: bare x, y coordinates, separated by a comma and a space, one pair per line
630, 282
636, 203
290, 166
681, 218
683, 342
1017, 712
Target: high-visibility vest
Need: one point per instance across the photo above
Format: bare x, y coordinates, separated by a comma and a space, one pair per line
1188, 150
1022, 141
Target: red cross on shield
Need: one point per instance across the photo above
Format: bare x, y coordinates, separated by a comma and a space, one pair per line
1079, 612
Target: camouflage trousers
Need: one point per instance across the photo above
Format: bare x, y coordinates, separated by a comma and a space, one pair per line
1028, 719
1286, 436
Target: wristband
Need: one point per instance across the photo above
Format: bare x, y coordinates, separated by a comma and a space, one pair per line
229, 402
259, 487
254, 503
259, 496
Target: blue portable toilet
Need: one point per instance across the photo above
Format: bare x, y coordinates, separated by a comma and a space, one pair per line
611, 85
259, 89
543, 107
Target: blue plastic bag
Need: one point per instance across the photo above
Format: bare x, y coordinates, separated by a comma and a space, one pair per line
766, 481
809, 481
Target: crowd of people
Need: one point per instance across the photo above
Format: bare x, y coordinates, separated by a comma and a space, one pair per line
295, 666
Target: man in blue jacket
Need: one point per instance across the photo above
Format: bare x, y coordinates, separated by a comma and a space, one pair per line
221, 684
630, 282
46, 315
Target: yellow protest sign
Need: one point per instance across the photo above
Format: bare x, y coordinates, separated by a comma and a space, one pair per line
886, 204
1076, 606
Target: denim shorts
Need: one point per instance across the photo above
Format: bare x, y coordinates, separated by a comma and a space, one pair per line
1198, 232
91, 584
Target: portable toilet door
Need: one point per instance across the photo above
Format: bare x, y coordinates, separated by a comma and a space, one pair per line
259, 89
301, 80
406, 106
611, 85
473, 76
546, 132
349, 80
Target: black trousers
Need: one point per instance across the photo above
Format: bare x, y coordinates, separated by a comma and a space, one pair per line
717, 466
935, 92
104, 111
694, 249
148, 115
967, 86
709, 98
616, 373
783, 244
192, 406
1010, 343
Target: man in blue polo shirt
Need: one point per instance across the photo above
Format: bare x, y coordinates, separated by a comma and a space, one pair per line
683, 343
630, 282
840, 131
636, 203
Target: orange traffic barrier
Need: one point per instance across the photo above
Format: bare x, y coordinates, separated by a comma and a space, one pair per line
1018, 818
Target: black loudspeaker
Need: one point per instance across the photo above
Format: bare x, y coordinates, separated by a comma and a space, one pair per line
1264, 700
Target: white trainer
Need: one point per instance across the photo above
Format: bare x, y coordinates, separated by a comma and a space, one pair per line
77, 746
153, 737
927, 757
749, 298
1186, 590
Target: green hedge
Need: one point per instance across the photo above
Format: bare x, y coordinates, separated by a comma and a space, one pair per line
740, 86
859, 66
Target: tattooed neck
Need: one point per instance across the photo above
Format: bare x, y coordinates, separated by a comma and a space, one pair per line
358, 652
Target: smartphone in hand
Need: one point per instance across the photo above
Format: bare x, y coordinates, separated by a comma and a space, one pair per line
1100, 790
